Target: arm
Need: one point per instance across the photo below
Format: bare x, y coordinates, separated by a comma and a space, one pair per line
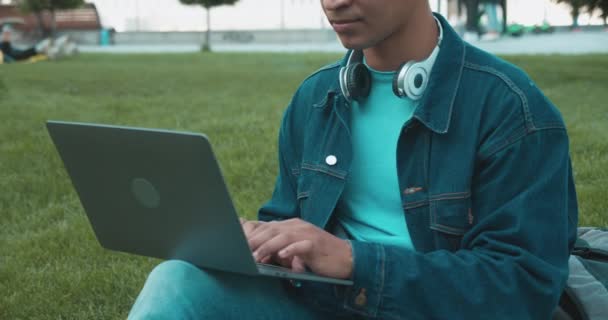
512, 264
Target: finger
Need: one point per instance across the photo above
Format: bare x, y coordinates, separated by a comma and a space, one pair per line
266, 260
272, 246
283, 262
298, 265
263, 227
275, 260
302, 249
249, 227
262, 234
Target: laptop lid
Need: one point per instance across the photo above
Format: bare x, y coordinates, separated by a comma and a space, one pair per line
144, 190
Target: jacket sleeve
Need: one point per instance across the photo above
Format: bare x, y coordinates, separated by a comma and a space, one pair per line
512, 264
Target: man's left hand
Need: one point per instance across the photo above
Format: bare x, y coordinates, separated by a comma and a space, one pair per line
303, 243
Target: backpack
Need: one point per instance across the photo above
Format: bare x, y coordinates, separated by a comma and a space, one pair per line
586, 294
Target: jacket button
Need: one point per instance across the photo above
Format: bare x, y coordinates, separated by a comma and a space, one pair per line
331, 160
361, 298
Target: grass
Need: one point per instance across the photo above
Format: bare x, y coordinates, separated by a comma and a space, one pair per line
51, 266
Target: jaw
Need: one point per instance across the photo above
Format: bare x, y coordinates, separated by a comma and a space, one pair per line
352, 43
359, 39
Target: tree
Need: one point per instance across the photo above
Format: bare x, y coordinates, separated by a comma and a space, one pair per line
602, 6
503, 5
38, 7
208, 4
576, 7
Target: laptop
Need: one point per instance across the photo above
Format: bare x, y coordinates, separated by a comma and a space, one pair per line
159, 193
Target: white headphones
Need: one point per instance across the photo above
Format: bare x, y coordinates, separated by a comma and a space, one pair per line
410, 81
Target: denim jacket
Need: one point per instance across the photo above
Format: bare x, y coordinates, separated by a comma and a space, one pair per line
486, 187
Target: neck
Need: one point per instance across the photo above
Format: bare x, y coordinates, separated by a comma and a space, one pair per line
414, 41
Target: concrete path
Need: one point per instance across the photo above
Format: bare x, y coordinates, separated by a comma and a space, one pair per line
558, 43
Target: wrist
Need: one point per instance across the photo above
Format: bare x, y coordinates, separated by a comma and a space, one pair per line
348, 260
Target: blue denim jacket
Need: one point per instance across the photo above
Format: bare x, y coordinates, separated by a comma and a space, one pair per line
487, 192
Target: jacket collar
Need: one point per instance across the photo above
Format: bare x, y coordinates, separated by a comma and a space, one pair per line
436, 105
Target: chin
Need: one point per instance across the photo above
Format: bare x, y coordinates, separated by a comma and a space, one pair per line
353, 42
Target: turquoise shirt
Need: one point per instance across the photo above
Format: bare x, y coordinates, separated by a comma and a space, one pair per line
370, 207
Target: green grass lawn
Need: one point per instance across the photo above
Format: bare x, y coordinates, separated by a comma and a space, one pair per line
51, 266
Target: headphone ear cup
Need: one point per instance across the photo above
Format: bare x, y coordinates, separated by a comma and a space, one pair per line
398, 83
417, 80
358, 81
411, 80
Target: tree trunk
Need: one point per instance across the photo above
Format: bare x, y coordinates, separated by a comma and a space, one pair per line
53, 23
503, 4
459, 8
207, 45
41, 27
472, 16
576, 11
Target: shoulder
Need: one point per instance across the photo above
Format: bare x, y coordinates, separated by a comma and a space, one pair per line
315, 90
508, 104
509, 89
314, 93
319, 83
501, 102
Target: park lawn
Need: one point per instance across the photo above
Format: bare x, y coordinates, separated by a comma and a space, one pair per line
51, 266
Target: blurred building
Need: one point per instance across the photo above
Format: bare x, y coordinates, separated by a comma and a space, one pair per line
84, 18
82, 23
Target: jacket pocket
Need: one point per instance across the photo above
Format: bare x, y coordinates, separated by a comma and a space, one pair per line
450, 220
318, 191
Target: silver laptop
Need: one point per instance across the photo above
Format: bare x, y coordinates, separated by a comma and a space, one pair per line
160, 194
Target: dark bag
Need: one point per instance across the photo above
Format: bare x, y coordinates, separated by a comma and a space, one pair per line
586, 293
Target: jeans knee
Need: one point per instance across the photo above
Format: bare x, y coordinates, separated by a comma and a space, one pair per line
173, 269
173, 288
179, 290
177, 278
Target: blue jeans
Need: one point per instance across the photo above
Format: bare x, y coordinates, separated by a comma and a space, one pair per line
12, 54
178, 290
493, 24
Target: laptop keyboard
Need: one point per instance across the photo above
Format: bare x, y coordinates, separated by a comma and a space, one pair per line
272, 267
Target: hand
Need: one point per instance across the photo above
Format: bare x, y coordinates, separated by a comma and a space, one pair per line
294, 263
249, 226
302, 245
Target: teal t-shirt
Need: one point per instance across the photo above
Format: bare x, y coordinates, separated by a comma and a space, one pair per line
370, 207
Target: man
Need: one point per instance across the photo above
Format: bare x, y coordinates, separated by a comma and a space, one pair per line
447, 196
10, 53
